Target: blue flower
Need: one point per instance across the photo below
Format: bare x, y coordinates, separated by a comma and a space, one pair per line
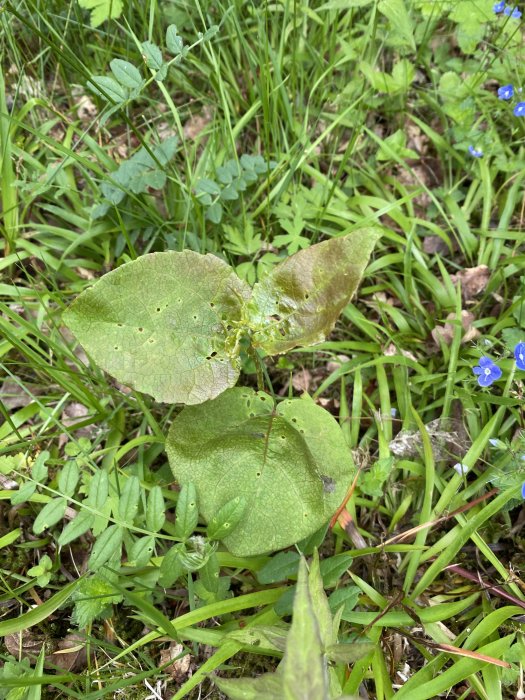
511, 11
487, 371
523, 490
506, 92
519, 110
498, 7
476, 153
519, 354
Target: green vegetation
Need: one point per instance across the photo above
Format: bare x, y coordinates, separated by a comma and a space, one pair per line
244, 157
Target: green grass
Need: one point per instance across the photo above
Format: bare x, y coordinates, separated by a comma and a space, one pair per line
322, 89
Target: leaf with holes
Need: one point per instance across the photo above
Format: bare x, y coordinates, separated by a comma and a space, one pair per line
289, 462
300, 300
163, 324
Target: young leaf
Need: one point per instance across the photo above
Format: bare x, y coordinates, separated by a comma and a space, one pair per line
162, 324
50, 514
304, 668
101, 10
290, 462
222, 524
214, 213
98, 490
77, 527
155, 509
24, 493
174, 42
209, 574
126, 73
129, 500
187, 513
299, 301
106, 547
39, 469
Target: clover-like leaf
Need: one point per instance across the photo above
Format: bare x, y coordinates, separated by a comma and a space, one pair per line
299, 301
161, 324
289, 462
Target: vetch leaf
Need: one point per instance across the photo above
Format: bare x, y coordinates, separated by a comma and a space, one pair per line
171, 566
226, 519
187, 513
101, 10
39, 468
290, 463
106, 547
141, 551
50, 515
299, 301
162, 324
155, 509
126, 73
153, 58
174, 42
68, 478
129, 500
98, 490
77, 527
108, 88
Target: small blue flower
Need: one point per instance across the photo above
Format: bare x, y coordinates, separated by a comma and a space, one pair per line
519, 110
523, 490
519, 354
475, 152
510, 11
506, 92
487, 371
461, 468
498, 7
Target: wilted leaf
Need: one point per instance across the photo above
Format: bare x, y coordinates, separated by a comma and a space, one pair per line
290, 463
157, 325
300, 300
473, 280
179, 662
71, 654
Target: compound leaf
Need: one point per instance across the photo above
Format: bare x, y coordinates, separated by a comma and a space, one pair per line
162, 324
290, 463
299, 301
126, 73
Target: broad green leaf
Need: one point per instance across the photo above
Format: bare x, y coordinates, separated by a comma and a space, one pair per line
299, 301
106, 547
126, 73
320, 604
24, 493
77, 527
155, 509
187, 513
162, 324
214, 213
101, 10
108, 88
129, 500
209, 574
50, 514
290, 463
226, 519
279, 568
68, 478
305, 674
174, 42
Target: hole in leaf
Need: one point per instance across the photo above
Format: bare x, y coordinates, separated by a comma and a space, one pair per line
120, 325
258, 474
306, 296
140, 330
212, 305
252, 415
151, 340
195, 318
283, 437
158, 309
212, 354
116, 347
263, 398
294, 420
